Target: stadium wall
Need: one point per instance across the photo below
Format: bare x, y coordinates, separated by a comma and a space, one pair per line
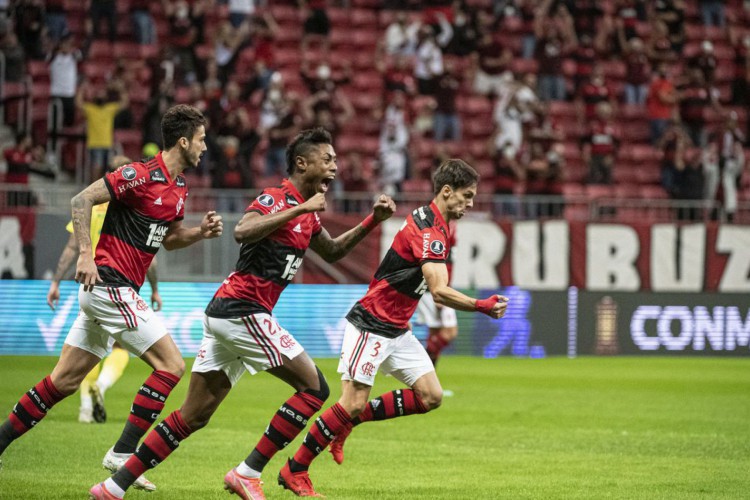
537, 324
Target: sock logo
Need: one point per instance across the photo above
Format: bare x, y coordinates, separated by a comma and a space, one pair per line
293, 414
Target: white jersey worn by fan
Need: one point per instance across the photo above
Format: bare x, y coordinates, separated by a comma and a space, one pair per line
431, 316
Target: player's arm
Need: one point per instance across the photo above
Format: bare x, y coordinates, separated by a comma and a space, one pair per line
81, 204
255, 226
180, 237
332, 249
436, 276
153, 280
68, 255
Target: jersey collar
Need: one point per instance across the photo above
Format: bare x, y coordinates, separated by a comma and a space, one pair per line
293, 190
163, 167
438, 215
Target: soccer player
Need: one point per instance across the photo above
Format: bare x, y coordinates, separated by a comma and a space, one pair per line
146, 208
240, 332
97, 382
377, 336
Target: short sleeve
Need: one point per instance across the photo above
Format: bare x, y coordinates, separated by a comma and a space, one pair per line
429, 245
270, 200
316, 224
127, 182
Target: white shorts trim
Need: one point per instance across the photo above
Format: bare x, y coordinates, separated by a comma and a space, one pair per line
363, 354
430, 315
110, 314
252, 343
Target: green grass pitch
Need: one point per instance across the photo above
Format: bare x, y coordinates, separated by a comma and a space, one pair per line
594, 428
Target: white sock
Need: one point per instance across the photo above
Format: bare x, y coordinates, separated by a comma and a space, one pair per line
86, 402
112, 487
244, 470
105, 381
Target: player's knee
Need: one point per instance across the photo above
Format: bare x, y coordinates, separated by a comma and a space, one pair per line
176, 367
324, 392
66, 386
432, 400
196, 421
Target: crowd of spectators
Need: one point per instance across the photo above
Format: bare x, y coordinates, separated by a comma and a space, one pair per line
523, 58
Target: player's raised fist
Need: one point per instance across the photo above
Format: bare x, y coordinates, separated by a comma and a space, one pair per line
493, 306
211, 225
317, 203
384, 207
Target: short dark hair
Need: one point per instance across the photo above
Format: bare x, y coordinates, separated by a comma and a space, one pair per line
454, 173
302, 144
180, 121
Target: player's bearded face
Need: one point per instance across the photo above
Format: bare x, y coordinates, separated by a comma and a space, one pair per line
460, 200
192, 154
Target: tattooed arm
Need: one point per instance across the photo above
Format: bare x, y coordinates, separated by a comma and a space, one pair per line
96, 193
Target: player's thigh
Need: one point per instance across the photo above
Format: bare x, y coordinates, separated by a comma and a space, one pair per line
205, 393
88, 335
72, 367
362, 354
408, 361
299, 372
215, 355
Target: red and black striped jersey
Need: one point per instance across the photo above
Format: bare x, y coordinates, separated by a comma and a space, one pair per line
398, 283
267, 266
145, 201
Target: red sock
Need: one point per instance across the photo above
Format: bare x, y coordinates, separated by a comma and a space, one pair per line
398, 403
34, 405
158, 445
290, 419
435, 345
322, 432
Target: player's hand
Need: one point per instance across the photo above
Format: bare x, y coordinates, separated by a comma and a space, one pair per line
384, 207
317, 203
86, 272
53, 295
211, 225
156, 301
493, 306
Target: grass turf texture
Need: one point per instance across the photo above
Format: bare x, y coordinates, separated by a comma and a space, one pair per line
516, 428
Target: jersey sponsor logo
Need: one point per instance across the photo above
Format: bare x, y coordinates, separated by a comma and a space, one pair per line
158, 176
266, 200
157, 201
287, 341
422, 214
180, 204
156, 235
297, 228
131, 184
129, 173
437, 247
180, 182
425, 245
368, 369
291, 201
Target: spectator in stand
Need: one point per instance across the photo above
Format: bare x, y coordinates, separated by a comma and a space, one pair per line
584, 13
264, 29
272, 103
673, 140
356, 177
15, 58
397, 76
423, 124
63, 75
585, 57
626, 21
183, 36
317, 25
661, 102
741, 81
324, 79
509, 173
23, 159
672, 13
465, 30
507, 117
591, 94
637, 72
447, 119
600, 146
705, 60
228, 43
543, 178
101, 10
280, 134
526, 10
100, 120
688, 184
696, 97
240, 12
144, 27
28, 17
231, 117
400, 36
158, 104
490, 61
727, 144
712, 12
556, 39
55, 20
429, 56
394, 141
659, 47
